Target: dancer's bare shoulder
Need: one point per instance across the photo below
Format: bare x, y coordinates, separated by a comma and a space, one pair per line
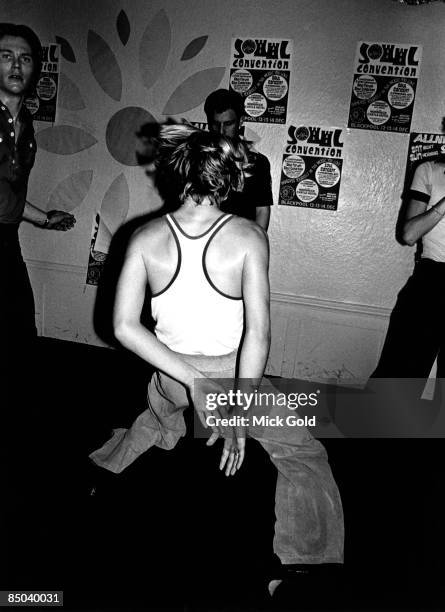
152, 238
248, 234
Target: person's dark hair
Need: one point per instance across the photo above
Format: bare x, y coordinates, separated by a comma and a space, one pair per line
200, 164
23, 31
221, 100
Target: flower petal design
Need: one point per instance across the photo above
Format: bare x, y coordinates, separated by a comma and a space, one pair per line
64, 139
103, 240
104, 66
193, 48
113, 212
121, 130
66, 49
71, 192
70, 97
154, 49
123, 27
193, 90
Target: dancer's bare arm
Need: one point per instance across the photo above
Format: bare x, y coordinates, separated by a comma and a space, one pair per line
256, 342
256, 298
138, 339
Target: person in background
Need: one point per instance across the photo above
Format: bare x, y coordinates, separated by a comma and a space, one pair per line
224, 110
416, 334
415, 337
20, 65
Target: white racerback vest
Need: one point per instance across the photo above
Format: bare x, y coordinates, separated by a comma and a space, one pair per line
192, 316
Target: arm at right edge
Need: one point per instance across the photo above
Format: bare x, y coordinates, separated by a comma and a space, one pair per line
256, 297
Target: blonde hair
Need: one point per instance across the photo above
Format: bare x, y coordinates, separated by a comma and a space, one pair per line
201, 164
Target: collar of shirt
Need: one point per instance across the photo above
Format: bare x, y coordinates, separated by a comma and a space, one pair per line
16, 157
7, 125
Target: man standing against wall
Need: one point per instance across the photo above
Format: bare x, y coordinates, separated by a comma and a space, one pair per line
224, 110
415, 336
20, 64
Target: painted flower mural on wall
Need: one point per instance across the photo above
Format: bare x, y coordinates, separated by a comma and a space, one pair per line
154, 49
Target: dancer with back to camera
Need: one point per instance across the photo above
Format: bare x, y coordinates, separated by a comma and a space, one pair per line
208, 275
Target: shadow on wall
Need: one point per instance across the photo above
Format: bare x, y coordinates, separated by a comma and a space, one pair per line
106, 290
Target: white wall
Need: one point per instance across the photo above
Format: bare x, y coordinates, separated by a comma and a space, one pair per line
334, 275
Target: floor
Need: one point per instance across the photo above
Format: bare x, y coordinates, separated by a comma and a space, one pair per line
171, 532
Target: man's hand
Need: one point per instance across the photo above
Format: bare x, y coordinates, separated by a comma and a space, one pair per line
59, 220
234, 437
233, 452
200, 391
234, 448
